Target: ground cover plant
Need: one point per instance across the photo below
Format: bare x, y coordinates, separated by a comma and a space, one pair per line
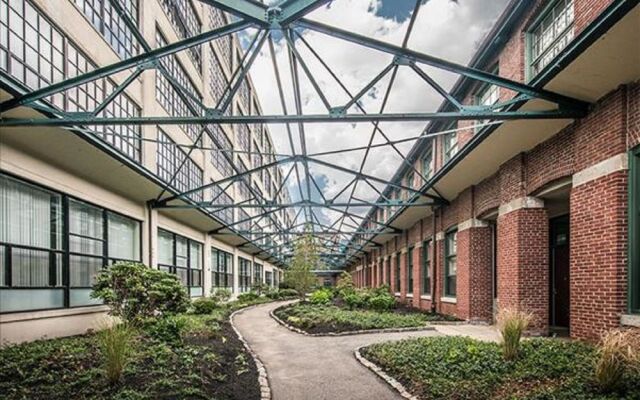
182, 356
322, 318
464, 368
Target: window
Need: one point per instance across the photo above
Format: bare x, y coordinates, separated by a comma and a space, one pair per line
409, 183
243, 135
183, 257
449, 144
244, 275
36, 53
410, 270
218, 20
107, 21
550, 34
257, 274
169, 158
487, 96
221, 269
634, 231
219, 157
426, 268
268, 278
427, 163
218, 196
168, 97
450, 268
186, 24
217, 78
397, 287
388, 267
44, 267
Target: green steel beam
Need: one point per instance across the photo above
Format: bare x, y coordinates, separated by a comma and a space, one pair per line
292, 10
249, 10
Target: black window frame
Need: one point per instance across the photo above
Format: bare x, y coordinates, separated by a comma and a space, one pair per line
221, 269
450, 281
244, 275
426, 268
175, 267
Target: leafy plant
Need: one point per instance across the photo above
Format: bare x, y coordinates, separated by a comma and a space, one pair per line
381, 302
115, 346
353, 300
344, 285
321, 296
618, 352
221, 295
169, 330
248, 296
299, 275
204, 305
512, 324
135, 292
287, 294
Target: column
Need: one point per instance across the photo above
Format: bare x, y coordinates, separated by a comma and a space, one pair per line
474, 280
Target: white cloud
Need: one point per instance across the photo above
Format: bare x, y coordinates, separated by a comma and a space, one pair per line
446, 29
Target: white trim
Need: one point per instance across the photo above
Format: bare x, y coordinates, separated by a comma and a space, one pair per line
425, 297
396, 294
447, 299
472, 223
63, 312
630, 320
520, 203
440, 235
616, 163
409, 295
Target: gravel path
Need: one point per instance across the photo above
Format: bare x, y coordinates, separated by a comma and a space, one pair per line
314, 368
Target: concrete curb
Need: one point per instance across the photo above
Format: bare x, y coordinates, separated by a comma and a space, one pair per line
263, 378
397, 386
348, 333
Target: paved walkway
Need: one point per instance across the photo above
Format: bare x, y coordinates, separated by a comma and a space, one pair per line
315, 368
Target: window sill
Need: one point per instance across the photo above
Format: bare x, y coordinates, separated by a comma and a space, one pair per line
451, 300
62, 312
425, 297
630, 320
397, 294
409, 295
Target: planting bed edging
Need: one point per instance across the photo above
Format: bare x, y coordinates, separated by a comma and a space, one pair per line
397, 386
263, 378
348, 333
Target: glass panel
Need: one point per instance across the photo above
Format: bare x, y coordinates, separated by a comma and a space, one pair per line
165, 248
83, 270
195, 256
29, 216
85, 229
32, 299
82, 297
124, 237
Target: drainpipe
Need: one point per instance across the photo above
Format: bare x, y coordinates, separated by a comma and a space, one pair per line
434, 261
150, 232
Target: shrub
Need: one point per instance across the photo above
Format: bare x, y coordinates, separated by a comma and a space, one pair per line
618, 351
204, 305
353, 300
248, 296
135, 292
512, 324
381, 302
321, 296
115, 346
287, 294
221, 295
345, 285
168, 330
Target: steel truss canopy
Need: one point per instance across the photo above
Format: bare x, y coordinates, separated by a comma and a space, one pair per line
286, 22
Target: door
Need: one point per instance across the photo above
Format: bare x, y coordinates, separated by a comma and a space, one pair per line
559, 274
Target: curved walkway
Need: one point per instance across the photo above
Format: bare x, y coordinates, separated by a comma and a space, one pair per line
315, 368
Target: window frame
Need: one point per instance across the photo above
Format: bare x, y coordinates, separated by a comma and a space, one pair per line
409, 266
633, 292
449, 153
398, 281
64, 250
173, 269
242, 288
426, 269
227, 274
448, 256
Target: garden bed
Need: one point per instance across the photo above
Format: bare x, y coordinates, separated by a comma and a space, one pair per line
323, 319
464, 368
207, 360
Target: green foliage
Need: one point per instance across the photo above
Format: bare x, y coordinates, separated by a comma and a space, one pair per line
135, 292
248, 296
464, 368
221, 295
344, 285
335, 319
299, 275
354, 299
168, 330
618, 353
204, 305
381, 302
284, 294
115, 346
260, 288
321, 296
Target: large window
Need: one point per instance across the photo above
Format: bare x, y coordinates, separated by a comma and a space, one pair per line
410, 270
450, 267
634, 231
268, 278
37, 54
487, 96
170, 157
244, 275
550, 34
388, 271
427, 163
107, 21
449, 144
221, 269
186, 23
220, 197
183, 257
52, 246
257, 274
426, 269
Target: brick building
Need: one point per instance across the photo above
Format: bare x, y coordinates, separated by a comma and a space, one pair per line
543, 216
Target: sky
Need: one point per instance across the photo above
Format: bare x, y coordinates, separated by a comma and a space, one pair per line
448, 29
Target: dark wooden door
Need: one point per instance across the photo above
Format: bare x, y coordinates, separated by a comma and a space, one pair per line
559, 274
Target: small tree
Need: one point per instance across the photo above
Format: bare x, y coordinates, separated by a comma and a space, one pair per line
345, 285
135, 292
300, 274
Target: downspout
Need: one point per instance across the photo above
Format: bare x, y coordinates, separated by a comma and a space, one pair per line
434, 261
150, 231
